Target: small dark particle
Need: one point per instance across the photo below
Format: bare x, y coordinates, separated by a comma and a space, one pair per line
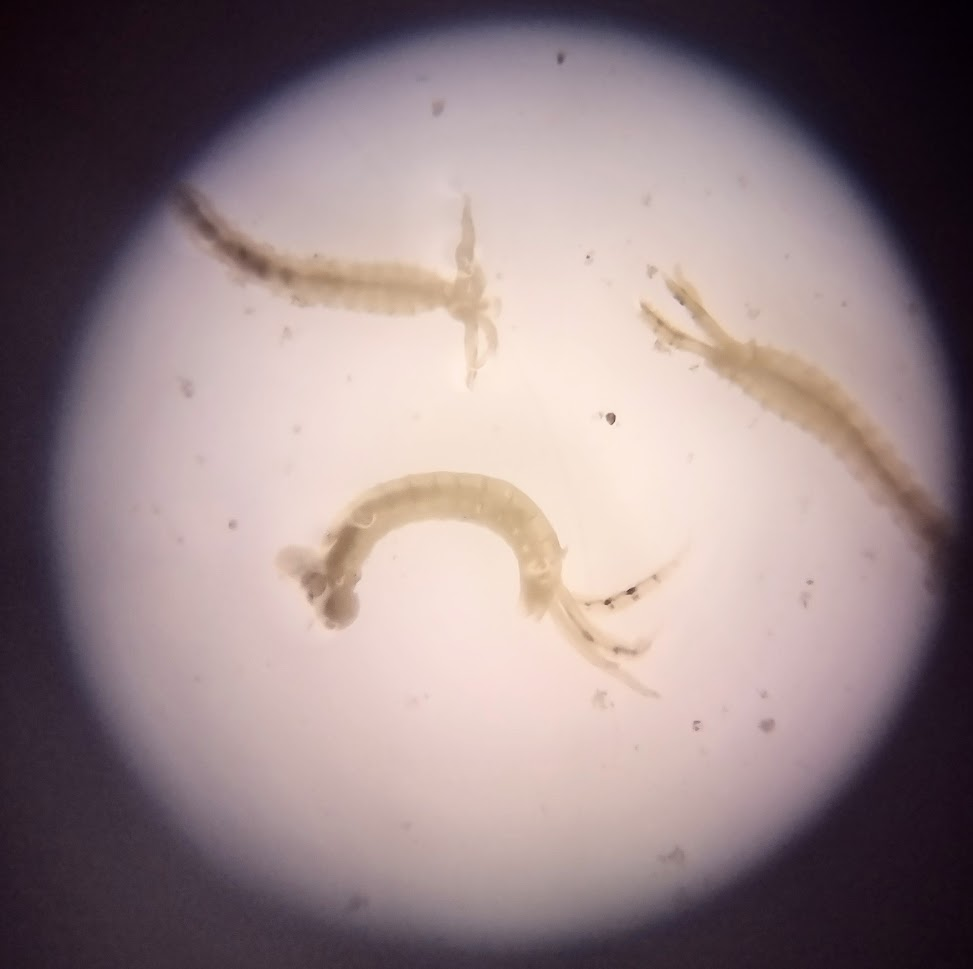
767, 724
589, 258
232, 524
697, 726
356, 903
561, 56
607, 602
675, 857
438, 106
587, 635
632, 590
610, 417
600, 701
186, 387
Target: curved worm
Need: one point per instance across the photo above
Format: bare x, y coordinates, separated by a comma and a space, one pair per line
329, 576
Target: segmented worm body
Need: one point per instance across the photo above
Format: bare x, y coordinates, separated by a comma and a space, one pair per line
388, 288
798, 392
329, 576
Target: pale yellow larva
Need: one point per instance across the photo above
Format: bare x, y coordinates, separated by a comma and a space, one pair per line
798, 392
329, 576
388, 288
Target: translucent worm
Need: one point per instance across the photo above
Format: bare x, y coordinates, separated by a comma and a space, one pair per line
329, 575
389, 288
798, 392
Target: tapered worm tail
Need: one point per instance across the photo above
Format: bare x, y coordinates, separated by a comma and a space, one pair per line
798, 392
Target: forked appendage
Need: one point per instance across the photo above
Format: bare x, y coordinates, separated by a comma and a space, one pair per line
634, 593
593, 643
467, 303
599, 646
687, 295
467, 240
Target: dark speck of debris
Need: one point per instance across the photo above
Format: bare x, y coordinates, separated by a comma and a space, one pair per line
232, 524
186, 387
356, 903
675, 857
763, 694
589, 258
767, 724
697, 726
600, 700
610, 417
561, 56
438, 106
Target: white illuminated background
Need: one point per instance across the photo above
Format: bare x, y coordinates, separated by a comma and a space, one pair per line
445, 766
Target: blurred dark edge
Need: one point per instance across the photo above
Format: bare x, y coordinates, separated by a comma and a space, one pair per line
102, 105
